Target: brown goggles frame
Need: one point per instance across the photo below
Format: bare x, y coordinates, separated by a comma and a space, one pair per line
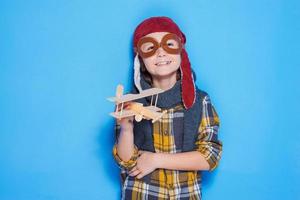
156, 45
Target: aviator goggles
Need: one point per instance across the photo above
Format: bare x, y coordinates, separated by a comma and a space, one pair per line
147, 46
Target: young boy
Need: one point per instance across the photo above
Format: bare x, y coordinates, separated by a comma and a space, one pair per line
164, 160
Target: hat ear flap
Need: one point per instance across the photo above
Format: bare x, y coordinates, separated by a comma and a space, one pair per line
183, 37
188, 88
137, 73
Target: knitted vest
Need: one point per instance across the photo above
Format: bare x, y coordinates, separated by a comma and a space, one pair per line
143, 131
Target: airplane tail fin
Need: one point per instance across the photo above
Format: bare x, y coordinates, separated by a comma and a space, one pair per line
119, 91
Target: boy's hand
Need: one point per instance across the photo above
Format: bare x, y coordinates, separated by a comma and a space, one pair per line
146, 163
126, 122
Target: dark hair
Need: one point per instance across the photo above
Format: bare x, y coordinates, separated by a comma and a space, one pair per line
147, 75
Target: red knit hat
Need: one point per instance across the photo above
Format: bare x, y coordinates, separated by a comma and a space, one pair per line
165, 24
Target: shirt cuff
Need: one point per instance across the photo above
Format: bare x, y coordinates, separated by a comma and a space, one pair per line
211, 152
126, 164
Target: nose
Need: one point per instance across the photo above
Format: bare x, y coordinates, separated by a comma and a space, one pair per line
160, 52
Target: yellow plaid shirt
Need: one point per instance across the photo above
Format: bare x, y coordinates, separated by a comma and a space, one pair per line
173, 184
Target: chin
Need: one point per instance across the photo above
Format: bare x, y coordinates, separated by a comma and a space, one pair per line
166, 74
166, 71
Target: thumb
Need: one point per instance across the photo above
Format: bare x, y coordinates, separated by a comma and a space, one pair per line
140, 152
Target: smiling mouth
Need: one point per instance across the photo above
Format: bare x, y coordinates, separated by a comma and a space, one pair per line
163, 63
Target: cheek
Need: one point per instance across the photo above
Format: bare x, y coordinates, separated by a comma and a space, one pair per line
149, 63
176, 60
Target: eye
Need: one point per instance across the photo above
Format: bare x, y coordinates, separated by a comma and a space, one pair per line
149, 48
170, 44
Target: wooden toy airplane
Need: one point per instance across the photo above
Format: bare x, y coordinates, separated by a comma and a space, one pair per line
137, 109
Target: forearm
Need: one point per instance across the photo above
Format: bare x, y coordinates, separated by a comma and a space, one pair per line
125, 145
192, 160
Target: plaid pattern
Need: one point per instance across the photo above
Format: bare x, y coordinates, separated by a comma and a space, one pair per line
174, 184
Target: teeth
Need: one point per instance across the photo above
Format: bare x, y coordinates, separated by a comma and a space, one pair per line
163, 63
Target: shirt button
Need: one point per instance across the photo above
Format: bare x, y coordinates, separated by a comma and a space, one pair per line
166, 132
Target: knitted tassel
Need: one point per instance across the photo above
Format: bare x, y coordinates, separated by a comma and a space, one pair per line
187, 81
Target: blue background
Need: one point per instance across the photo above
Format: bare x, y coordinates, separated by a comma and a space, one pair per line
59, 60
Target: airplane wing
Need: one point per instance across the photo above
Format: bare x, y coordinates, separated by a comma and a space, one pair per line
153, 114
131, 97
125, 113
149, 112
153, 108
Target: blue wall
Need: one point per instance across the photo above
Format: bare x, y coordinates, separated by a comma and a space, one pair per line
59, 60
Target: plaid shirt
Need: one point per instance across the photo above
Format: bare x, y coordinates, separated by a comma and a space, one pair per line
173, 184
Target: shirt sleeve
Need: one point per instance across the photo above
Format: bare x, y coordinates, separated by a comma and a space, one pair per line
207, 142
124, 165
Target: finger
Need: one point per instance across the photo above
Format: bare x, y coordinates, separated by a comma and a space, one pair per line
133, 169
130, 119
136, 172
126, 120
141, 175
125, 106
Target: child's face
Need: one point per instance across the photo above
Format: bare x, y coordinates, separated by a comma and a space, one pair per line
162, 64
